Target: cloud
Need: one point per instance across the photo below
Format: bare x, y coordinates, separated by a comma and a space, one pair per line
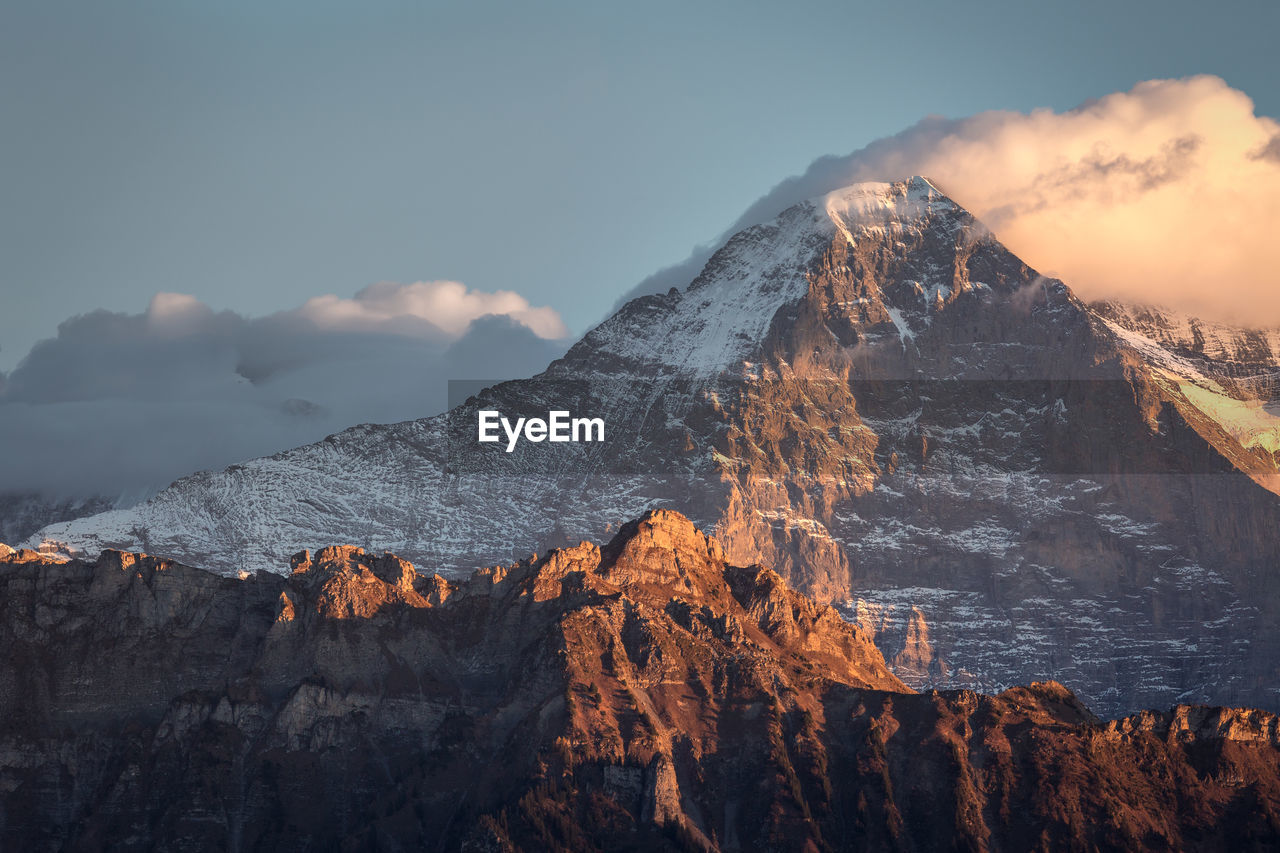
448, 306
1168, 193
122, 404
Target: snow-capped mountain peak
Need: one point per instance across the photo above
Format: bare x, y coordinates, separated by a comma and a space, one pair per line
869, 392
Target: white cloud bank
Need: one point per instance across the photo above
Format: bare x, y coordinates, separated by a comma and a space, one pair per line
1168, 193
125, 403
447, 306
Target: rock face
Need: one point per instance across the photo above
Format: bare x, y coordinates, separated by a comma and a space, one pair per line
873, 396
643, 695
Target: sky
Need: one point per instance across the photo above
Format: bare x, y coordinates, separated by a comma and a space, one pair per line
421, 181
256, 155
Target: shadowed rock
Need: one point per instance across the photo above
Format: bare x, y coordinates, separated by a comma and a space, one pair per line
642, 695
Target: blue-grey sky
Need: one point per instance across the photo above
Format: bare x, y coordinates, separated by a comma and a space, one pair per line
257, 154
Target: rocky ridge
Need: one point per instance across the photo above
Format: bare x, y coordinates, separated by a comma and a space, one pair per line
646, 694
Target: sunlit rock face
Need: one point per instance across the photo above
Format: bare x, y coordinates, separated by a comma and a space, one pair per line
646, 693
873, 396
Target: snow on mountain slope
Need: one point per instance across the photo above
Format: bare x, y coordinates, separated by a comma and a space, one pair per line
1229, 377
387, 486
727, 311
1249, 350
24, 513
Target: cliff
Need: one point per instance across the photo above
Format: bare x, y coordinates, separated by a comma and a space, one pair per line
646, 694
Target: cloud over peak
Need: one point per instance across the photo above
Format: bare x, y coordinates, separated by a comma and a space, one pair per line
1168, 193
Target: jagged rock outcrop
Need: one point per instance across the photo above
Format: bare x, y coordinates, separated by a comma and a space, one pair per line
874, 397
646, 694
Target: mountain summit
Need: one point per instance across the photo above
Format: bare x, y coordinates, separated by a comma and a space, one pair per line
873, 395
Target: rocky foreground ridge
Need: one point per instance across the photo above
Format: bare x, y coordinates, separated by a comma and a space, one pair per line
642, 695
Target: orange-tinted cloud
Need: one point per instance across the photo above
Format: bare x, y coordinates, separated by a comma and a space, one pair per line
1168, 193
448, 306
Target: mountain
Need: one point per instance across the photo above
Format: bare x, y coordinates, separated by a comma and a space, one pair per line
1228, 377
25, 513
646, 694
871, 394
